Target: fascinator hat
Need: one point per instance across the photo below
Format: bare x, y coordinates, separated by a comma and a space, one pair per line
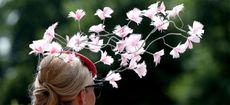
127, 45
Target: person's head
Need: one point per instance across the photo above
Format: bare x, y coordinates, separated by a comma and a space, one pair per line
60, 83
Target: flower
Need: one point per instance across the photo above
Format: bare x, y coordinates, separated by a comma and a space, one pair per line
70, 57
77, 15
97, 28
152, 11
77, 42
120, 46
196, 29
154, 6
180, 48
141, 69
175, 11
54, 48
127, 45
157, 56
125, 58
38, 46
134, 43
49, 33
190, 39
105, 13
161, 8
122, 31
95, 44
106, 59
134, 15
132, 64
112, 77
160, 23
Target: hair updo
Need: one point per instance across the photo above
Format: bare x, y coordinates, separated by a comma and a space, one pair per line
58, 82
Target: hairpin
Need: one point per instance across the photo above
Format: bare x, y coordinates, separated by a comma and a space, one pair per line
127, 45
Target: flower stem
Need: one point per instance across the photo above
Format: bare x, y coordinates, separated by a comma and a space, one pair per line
79, 26
182, 23
174, 24
162, 37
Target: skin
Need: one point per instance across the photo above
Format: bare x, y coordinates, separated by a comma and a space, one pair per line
85, 97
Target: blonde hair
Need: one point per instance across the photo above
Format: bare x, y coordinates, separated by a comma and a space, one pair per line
58, 82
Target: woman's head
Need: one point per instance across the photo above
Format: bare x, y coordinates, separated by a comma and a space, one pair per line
58, 82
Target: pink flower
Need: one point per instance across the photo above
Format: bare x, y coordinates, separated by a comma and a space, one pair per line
77, 15
190, 39
77, 42
160, 23
106, 59
50, 34
122, 31
54, 48
175, 11
161, 8
157, 56
132, 64
95, 44
70, 57
105, 13
120, 46
38, 46
97, 28
180, 48
134, 15
124, 59
135, 56
112, 78
152, 11
141, 69
134, 43
196, 29
154, 5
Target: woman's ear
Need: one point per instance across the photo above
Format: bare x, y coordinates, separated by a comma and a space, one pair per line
81, 97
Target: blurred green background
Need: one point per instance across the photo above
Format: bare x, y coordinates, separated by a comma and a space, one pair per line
200, 77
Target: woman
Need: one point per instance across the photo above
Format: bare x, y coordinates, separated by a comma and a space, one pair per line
61, 82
